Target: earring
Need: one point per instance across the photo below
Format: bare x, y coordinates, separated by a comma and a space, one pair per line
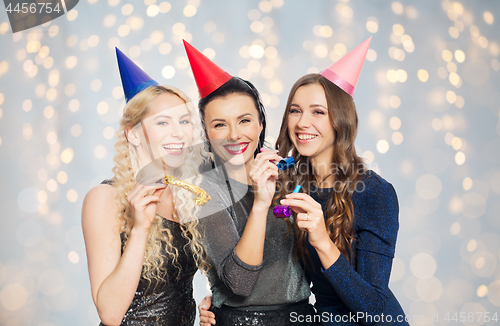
136, 144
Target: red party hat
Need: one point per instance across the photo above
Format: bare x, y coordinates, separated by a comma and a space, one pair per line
207, 74
345, 72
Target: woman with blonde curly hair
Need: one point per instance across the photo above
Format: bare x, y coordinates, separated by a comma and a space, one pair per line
142, 247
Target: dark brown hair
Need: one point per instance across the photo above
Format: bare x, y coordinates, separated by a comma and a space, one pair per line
347, 168
236, 85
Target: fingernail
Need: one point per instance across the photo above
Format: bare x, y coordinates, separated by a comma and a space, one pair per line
281, 201
262, 149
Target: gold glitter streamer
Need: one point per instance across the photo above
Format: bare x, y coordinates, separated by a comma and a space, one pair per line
201, 196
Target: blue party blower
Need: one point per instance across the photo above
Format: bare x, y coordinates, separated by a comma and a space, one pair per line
286, 163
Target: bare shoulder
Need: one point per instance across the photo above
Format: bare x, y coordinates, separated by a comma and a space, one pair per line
102, 192
100, 204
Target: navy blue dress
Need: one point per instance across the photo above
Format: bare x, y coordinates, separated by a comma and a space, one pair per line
358, 294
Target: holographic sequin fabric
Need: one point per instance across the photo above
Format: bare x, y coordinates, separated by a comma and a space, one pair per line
286, 316
344, 290
169, 301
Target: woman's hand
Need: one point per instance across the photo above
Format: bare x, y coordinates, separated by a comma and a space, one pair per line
263, 175
142, 206
309, 218
207, 318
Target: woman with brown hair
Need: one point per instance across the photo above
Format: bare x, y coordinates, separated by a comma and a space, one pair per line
346, 219
142, 251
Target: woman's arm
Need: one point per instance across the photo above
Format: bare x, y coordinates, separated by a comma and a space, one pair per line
366, 288
238, 260
113, 277
220, 237
250, 248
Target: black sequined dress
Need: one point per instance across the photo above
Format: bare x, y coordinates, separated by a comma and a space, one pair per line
169, 301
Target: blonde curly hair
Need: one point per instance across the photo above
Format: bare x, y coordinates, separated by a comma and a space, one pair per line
124, 180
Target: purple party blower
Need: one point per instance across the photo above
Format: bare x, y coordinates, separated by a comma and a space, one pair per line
282, 211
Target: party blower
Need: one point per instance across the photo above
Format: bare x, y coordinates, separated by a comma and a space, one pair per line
284, 164
282, 211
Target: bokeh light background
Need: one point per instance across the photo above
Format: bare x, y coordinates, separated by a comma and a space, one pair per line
428, 101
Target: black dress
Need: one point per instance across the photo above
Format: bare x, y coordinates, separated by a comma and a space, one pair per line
168, 301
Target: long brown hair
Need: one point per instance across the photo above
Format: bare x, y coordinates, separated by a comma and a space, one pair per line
347, 168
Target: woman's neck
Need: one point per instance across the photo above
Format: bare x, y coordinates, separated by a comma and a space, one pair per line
154, 170
238, 173
324, 171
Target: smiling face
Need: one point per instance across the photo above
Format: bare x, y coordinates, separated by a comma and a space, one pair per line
309, 126
233, 128
168, 129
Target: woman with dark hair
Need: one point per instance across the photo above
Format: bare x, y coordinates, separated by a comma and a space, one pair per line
238, 86
346, 219
253, 276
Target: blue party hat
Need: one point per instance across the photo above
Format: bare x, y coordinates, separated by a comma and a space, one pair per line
134, 79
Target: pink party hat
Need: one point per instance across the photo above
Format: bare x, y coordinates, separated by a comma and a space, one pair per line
345, 72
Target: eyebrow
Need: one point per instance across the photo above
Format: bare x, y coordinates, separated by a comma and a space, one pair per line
311, 106
238, 117
169, 117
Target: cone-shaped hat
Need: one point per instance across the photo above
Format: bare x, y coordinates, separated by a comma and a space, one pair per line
208, 75
345, 72
134, 79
